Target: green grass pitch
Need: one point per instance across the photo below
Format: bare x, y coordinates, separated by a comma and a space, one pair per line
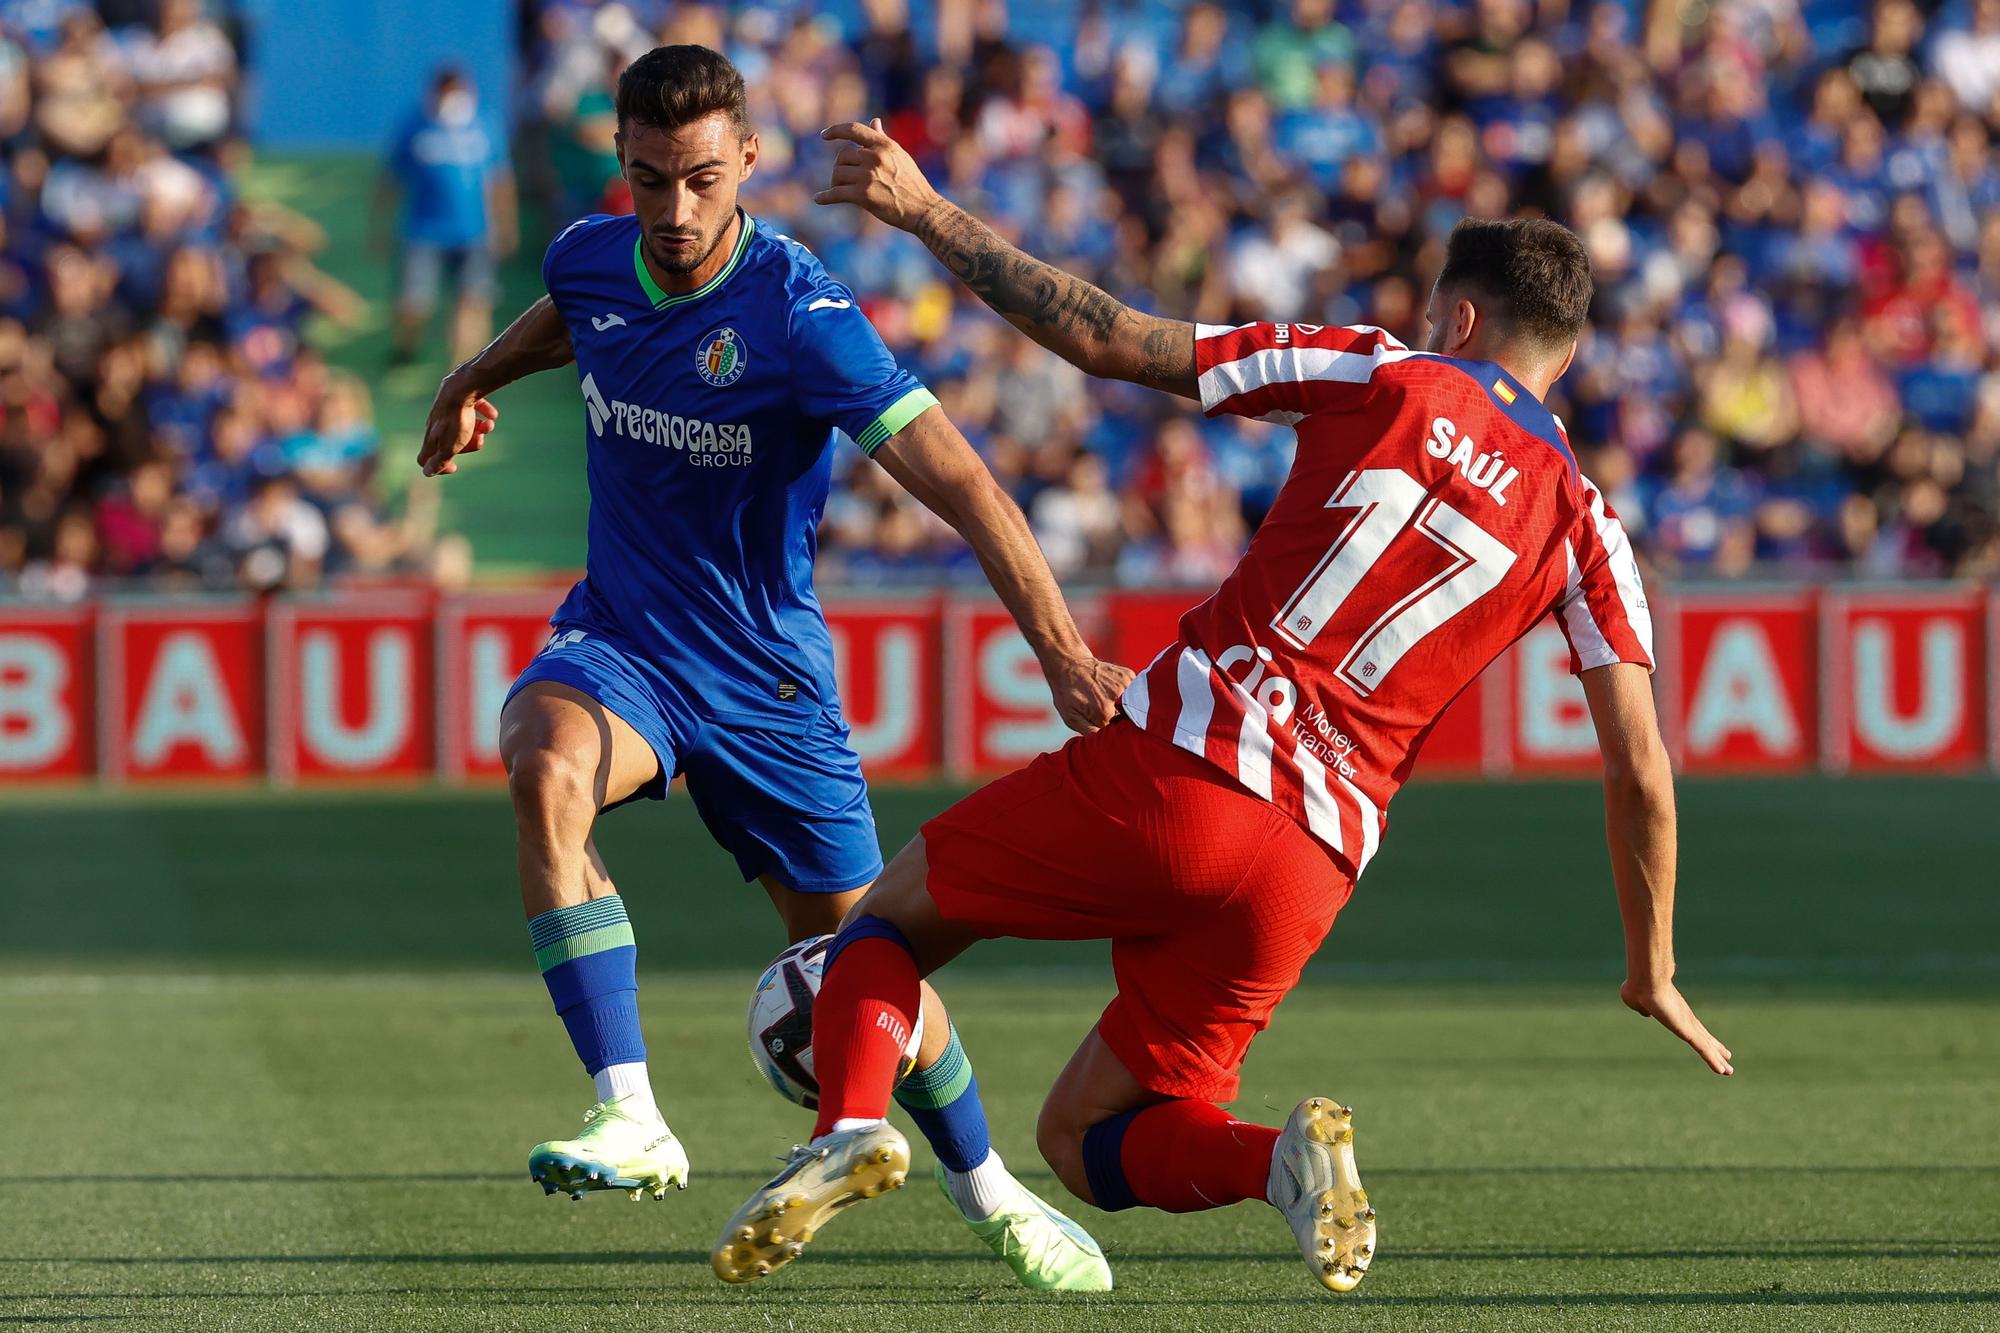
274, 1062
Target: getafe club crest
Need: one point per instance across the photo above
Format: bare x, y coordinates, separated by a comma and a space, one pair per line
718, 357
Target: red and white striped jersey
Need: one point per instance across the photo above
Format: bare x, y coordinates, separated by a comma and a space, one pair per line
1433, 515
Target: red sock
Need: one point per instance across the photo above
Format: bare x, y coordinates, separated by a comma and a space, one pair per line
1187, 1157
867, 1002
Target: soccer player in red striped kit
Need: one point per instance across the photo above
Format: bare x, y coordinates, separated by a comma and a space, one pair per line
1434, 514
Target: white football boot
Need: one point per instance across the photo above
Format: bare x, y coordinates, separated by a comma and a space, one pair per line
1314, 1184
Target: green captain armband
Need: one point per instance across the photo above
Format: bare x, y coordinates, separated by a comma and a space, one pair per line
896, 416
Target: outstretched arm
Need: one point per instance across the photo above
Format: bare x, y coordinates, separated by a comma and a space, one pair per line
932, 461
1640, 827
1080, 323
460, 416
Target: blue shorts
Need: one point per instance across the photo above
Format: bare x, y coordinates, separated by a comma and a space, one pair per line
792, 806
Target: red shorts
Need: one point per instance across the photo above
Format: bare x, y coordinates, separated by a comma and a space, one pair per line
1212, 898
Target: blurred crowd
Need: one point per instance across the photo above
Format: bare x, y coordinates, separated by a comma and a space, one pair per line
1792, 206
161, 415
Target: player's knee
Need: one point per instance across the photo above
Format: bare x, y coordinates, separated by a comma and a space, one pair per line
1060, 1138
548, 785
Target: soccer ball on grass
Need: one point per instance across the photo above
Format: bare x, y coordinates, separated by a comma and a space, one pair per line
781, 1023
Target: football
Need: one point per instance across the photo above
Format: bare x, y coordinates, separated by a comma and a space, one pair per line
781, 1023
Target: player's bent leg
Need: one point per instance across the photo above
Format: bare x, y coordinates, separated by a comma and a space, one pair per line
867, 1000
832, 846
567, 756
1144, 1087
1118, 1145
1092, 1088
1045, 1250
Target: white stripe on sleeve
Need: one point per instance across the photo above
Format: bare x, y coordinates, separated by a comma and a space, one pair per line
1292, 365
1592, 648
1197, 702
1624, 571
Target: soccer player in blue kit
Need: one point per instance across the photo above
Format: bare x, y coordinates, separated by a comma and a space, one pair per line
717, 358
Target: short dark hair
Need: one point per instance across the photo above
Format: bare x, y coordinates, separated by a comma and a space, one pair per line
672, 86
1535, 271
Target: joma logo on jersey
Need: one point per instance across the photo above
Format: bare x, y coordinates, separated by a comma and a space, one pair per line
706, 443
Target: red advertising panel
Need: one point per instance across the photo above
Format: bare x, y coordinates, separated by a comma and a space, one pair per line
1137, 625
1544, 726
1738, 686
1905, 678
385, 685
180, 692
45, 693
886, 658
483, 642
351, 687
998, 713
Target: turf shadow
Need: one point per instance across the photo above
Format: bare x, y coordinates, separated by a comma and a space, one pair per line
1036, 1175
577, 1259
1870, 1250
1553, 1300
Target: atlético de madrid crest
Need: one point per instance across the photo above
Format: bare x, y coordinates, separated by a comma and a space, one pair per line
718, 357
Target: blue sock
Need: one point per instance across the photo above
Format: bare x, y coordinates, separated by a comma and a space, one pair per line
1104, 1165
944, 1101
590, 965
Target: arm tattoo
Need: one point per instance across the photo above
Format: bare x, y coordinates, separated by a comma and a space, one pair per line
1169, 360
1064, 313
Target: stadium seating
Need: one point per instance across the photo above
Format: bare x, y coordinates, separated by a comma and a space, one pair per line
164, 421
1794, 212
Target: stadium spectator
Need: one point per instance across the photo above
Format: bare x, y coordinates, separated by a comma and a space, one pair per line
185, 72
1794, 213
1968, 57
162, 415
1699, 513
1788, 214
457, 217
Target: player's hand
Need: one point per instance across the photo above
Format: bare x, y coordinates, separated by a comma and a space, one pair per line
1087, 691
458, 424
873, 171
1661, 1001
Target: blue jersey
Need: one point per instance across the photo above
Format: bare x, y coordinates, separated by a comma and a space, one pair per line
445, 171
709, 423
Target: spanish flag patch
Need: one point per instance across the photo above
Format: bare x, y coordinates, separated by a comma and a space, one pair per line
1503, 393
